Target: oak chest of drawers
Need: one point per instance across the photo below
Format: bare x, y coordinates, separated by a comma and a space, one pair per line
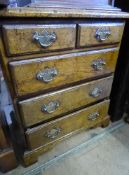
59, 66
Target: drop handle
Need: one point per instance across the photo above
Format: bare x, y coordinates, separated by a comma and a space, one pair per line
96, 92
53, 133
50, 107
98, 64
47, 75
102, 34
45, 38
93, 116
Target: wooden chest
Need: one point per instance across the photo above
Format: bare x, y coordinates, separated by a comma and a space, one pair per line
59, 66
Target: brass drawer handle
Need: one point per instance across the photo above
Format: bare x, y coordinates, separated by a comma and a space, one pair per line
98, 64
93, 116
45, 39
47, 75
50, 107
102, 34
96, 92
53, 133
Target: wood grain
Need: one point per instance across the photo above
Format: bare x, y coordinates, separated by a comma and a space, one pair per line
87, 33
25, 12
37, 136
69, 99
71, 68
18, 39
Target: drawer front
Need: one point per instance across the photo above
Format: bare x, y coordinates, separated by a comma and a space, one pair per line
56, 129
35, 75
58, 103
98, 33
21, 39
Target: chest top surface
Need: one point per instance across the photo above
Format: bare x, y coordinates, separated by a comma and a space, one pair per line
63, 9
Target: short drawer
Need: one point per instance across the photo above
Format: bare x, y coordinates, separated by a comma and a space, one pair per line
48, 106
58, 128
99, 33
22, 39
41, 74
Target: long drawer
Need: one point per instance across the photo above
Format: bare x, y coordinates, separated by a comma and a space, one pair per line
58, 128
99, 33
44, 107
22, 39
30, 76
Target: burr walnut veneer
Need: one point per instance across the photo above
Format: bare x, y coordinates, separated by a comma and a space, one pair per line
59, 66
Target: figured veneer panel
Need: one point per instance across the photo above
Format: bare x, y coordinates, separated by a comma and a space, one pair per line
51, 131
33, 110
70, 68
98, 33
21, 39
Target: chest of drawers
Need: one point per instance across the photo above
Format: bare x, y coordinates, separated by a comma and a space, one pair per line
59, 66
